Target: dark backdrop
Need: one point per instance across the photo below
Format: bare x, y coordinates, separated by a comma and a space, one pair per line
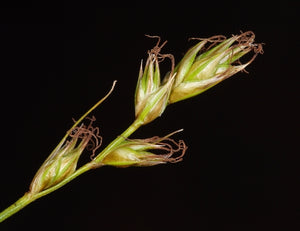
240, 171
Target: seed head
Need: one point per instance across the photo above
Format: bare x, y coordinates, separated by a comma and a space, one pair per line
63, 160
140, 152
151, 96
197, 72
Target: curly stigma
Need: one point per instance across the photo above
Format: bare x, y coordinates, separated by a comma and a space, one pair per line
164, 148
91, 140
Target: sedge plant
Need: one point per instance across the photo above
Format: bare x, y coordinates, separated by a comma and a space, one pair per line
208, 62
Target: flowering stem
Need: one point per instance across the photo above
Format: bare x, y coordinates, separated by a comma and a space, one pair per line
194, 74
30, 197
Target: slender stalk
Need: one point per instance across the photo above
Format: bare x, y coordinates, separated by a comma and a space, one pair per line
131, 129
29, 197
15, 207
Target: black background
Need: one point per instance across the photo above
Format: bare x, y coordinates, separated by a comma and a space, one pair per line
240, 171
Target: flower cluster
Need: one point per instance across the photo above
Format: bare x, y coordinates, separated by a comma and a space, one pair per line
209, 62
140, 152
151, 96
62, 162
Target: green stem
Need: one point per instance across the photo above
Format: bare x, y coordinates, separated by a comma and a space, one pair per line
29, 197
131, 129
15, 207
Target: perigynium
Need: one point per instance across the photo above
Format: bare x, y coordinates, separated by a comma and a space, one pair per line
204, 65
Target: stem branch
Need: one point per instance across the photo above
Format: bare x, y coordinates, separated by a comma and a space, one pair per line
29, 197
